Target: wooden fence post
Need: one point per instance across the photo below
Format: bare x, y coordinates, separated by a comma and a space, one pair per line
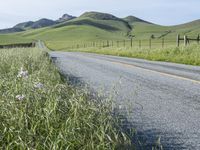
163, 43
185, 40
178, 40
131, 42
150, 43
140, 45
198, 39
108, 44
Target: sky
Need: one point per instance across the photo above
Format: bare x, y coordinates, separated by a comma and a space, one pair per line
163, 12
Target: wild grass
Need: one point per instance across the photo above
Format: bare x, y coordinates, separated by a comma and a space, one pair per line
12, 39
186, 55
38, 110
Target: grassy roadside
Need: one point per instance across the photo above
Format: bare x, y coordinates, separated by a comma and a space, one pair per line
185, 55
40, 111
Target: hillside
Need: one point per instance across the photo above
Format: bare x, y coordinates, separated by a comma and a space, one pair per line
143, 30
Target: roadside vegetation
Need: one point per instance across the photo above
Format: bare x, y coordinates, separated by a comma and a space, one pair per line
186, 55
40, 111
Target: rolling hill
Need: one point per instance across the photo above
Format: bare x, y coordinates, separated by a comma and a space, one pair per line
96, 26
24, 26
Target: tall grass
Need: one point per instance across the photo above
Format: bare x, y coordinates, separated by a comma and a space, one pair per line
39, 111
185, 55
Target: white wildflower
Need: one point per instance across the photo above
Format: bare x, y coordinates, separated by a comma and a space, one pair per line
22, 73
120, 107
20, 97
39, 85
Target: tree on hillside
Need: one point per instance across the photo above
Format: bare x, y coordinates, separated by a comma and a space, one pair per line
152, 36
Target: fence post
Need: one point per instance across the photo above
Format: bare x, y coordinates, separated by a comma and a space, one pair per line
131, 42
198, 38
178, 40
185, 40
108, 44
150, 43
140, 45
163, 42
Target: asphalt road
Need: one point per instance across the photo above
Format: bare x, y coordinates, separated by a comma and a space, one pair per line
163, 99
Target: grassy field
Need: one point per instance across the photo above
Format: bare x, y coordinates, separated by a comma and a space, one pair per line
186, 55
40, 111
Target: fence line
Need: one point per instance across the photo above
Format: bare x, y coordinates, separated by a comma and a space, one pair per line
148, 43
18, 45
126, 43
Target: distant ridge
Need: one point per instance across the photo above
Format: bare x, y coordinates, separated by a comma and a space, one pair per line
99, 16
37, 24
43, 23
24, 25
192, 23
66, 17
11, 30
133, 19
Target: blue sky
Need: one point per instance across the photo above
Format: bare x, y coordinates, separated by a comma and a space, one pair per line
164, 12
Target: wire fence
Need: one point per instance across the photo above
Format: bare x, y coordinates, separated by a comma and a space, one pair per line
151, 43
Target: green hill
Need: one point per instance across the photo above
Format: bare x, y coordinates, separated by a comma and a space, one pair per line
99, 16
143, 30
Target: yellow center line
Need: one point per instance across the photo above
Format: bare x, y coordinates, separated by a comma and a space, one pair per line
154, 71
